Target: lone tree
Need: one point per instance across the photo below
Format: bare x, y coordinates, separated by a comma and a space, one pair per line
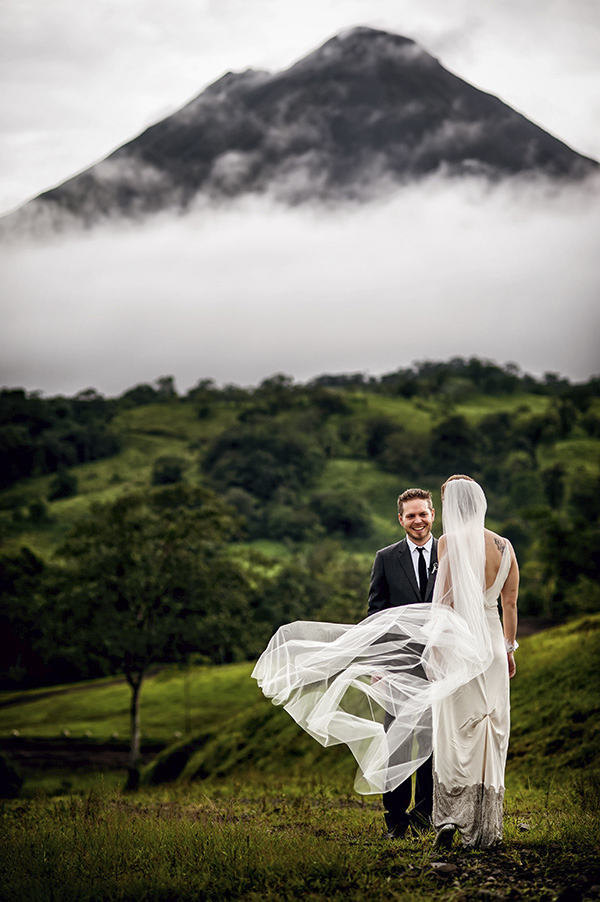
146, 580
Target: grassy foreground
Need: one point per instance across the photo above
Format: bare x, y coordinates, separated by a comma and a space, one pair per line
272, 843
256, 810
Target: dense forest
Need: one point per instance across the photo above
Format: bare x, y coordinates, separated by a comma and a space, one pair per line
156, 527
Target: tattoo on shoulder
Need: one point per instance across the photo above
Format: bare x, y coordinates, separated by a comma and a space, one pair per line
499, 543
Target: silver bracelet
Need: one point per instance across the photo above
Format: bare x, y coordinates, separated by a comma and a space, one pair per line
510, 646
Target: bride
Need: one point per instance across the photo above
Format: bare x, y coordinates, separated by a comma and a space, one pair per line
419, 678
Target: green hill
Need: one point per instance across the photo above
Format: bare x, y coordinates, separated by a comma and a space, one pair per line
375, 444
555, 700
234, 733
313, 471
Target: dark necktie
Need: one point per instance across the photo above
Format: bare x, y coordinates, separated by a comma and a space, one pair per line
422, 573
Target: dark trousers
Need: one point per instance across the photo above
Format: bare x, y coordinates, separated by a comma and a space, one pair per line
396, 802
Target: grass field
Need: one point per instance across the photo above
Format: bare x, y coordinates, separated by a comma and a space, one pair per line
285, 840
257, 810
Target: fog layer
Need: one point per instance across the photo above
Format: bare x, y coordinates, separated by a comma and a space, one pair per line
440, 269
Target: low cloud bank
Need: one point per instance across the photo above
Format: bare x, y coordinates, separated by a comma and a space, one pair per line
441, 269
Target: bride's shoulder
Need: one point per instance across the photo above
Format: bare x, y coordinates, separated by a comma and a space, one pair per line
494, 541
496, 545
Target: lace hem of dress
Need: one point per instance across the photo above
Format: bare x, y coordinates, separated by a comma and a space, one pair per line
475, 810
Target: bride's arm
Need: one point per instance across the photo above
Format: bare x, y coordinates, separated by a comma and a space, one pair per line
509, 595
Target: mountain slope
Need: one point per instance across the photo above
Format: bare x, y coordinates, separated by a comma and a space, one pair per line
365, 112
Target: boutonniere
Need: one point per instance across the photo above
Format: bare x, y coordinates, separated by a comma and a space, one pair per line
433, 569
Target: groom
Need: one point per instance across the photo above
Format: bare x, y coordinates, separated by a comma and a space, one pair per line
404, 573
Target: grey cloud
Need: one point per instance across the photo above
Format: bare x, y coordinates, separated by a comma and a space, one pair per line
237, 293
231, 171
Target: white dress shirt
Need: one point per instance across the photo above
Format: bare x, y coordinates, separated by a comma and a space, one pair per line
414, 553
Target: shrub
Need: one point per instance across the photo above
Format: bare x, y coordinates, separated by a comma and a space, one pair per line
342, 512
167, 470
259, 460
63, 485
10, 779
37, 512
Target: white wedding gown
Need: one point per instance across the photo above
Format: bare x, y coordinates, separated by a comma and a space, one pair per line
470, 738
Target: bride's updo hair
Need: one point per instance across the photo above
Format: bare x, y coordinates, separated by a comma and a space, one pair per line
452, 478
467, 498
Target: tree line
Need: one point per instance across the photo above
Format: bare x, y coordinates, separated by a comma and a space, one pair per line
46, 435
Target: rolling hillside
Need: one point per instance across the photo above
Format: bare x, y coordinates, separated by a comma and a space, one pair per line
234, 733
313, 472
155, 430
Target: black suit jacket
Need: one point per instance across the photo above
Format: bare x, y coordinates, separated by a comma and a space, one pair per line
393, 580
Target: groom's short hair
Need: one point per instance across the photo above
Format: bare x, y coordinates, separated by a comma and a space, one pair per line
410, 495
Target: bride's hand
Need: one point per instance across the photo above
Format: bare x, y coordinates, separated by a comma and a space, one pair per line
512, 667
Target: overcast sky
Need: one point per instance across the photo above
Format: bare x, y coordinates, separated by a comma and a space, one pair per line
508, 274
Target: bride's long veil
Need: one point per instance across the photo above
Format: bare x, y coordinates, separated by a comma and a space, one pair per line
372, 685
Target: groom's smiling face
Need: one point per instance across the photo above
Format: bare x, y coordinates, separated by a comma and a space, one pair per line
417, 519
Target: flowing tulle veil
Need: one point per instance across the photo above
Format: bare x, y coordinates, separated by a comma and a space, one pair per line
372, 685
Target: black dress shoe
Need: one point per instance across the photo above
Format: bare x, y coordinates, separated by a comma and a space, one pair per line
444, 837
397, 831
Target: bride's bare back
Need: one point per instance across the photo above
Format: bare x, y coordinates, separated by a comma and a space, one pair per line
494, 548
